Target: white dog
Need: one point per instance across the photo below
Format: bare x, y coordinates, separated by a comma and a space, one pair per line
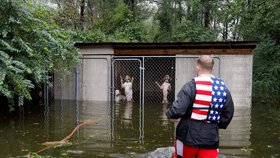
127, 86
118, 96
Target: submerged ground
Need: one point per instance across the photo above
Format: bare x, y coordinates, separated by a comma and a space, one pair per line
129, 130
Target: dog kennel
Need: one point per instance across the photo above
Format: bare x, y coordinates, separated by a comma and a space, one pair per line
102, 64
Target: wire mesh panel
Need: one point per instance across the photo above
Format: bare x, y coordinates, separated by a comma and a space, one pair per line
159, 79
127, 79
165, 75
127, 97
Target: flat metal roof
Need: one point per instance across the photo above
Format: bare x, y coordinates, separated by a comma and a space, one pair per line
172, 45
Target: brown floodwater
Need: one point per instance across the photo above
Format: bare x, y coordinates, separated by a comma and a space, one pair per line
129, 130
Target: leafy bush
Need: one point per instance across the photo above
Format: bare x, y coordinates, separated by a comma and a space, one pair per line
117, 25
267, 69
193, 32
31, 47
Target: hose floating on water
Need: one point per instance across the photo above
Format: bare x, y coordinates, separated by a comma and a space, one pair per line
63, 141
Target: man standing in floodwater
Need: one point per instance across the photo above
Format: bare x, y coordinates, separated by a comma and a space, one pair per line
203, 105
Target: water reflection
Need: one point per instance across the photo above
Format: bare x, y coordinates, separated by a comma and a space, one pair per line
120, 128
163, 116
62, 118
122, 125
46, 120
265, 135
129, 130
127, 116
235, 140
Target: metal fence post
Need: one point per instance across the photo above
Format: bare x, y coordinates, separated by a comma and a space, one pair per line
76, 83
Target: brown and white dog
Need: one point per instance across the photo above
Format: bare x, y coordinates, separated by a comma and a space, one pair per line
127, 86
118, 96
165, 87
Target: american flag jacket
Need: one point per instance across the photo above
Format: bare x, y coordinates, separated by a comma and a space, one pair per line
209, 99
204, 105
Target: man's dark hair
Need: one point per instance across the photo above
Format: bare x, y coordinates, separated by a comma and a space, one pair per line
206, 62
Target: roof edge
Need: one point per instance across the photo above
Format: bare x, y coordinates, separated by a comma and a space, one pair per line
171, 45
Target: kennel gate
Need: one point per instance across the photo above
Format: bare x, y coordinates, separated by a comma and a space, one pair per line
121, 67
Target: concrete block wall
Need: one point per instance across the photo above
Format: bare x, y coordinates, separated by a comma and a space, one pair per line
185, 70
237, 135
235, 70
94, 77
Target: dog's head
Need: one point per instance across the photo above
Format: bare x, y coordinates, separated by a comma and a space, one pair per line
117, 92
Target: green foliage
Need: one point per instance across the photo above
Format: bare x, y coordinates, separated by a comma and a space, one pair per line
31, 47
116, 25
166, 22
267, 69
94, 35
120, 25
183, 21
193, 32
261, 22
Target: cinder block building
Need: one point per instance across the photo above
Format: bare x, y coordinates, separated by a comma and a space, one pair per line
103, 64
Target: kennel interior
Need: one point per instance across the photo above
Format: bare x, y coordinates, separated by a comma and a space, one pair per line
145, 72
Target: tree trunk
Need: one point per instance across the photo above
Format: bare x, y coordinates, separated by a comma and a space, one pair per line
90, 7
249, 3
225, 31
93, 8
207, 18
206, 13
214, 24
236, 33
188, 11
180, 11
82, 13
234, 30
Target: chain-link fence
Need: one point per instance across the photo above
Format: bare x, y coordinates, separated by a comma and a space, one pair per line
156, 79
159, 79
127, 79
141, 79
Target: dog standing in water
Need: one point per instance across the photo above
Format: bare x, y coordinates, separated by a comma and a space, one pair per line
165, 87
127, 86
118, 96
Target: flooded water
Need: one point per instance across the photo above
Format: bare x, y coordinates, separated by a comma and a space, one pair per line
129, 130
